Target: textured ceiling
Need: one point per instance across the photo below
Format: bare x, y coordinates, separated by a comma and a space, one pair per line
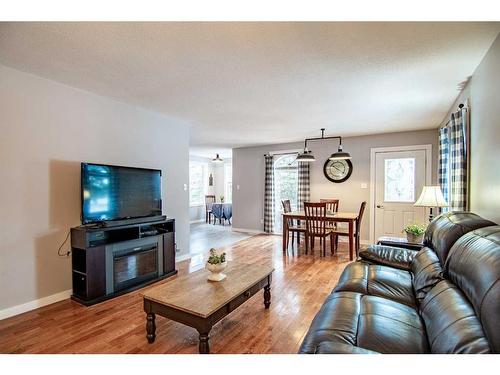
241, 84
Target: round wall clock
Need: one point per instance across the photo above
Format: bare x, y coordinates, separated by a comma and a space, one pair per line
337, 170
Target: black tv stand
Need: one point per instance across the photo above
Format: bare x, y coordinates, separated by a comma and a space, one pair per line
110, 261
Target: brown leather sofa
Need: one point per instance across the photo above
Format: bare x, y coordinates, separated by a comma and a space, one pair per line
444, 298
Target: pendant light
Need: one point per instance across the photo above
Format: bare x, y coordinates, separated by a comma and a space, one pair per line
307, 156
217, 159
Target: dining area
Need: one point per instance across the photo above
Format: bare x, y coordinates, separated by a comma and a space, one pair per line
321, 222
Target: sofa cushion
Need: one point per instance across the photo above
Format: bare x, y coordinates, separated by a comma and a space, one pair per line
329, 347
451, 323
377, 280
473, 265
427, 272
388, 255
447, 228
367, 323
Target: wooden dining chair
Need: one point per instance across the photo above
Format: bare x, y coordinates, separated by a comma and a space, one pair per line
332, 205
292, 227
357, 229
209, 201
316, 226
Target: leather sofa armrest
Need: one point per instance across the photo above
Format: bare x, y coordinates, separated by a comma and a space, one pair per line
395, 257
330, 347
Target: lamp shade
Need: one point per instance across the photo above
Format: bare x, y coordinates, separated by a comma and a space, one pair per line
431, 196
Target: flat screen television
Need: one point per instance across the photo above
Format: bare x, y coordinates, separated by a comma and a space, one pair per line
111, 192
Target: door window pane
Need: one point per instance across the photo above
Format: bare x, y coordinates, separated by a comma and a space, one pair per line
399, 180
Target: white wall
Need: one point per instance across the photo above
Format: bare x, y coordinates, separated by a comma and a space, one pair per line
482, 93
249, 173
46, 130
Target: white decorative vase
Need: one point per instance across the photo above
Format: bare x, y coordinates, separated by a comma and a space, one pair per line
216, 270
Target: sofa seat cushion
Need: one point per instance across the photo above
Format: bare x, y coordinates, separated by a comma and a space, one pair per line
396, 257
329, 347
368, 323
377, 280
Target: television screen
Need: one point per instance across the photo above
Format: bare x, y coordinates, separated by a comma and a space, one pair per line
113, 193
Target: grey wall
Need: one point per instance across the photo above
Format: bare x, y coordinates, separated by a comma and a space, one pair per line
46, 130
482, 94
248, 173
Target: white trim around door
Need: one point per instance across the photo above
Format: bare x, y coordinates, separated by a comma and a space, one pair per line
373, 152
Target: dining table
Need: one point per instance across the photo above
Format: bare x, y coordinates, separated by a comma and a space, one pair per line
334, 217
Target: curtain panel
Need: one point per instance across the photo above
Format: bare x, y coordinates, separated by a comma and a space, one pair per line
458, 161
269, 195
443, 165
303, 186
452, 163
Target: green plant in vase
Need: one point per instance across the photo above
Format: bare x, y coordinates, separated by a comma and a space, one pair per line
216, 263
414, 233
222, 199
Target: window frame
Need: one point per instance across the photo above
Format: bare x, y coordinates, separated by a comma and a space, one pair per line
204, 183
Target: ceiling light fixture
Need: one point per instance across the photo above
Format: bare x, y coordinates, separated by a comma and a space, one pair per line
307, 156
217, 159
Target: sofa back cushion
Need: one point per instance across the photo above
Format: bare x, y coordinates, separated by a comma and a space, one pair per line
451, 322
473, 265
427, 272
447, 228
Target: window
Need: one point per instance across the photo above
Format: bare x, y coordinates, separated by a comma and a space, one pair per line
399, 180
197, 183
285, 183
228, 182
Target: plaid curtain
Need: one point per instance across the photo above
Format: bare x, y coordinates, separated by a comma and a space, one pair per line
303, 190
443, 163
269, 195
458, 161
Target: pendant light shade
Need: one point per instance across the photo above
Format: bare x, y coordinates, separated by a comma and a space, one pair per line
306, 156
217, 159
340, 155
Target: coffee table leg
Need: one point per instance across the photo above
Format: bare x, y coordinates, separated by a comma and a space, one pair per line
267, 296
150, 327
204, 348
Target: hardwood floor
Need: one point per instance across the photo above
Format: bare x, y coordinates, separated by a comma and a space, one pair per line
300, 285
203, 236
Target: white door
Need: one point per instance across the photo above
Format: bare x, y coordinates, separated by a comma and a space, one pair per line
399, 179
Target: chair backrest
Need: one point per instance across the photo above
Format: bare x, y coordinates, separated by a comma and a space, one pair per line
287, 207
209, 201
332, 205
315, 217
360, 216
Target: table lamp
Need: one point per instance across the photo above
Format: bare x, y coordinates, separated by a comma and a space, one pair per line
431, 196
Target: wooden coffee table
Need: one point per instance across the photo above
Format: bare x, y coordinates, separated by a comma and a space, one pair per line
196, 302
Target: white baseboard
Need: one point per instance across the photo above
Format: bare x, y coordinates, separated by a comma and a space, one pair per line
243, 230
182, 257
197, 221
28, 306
